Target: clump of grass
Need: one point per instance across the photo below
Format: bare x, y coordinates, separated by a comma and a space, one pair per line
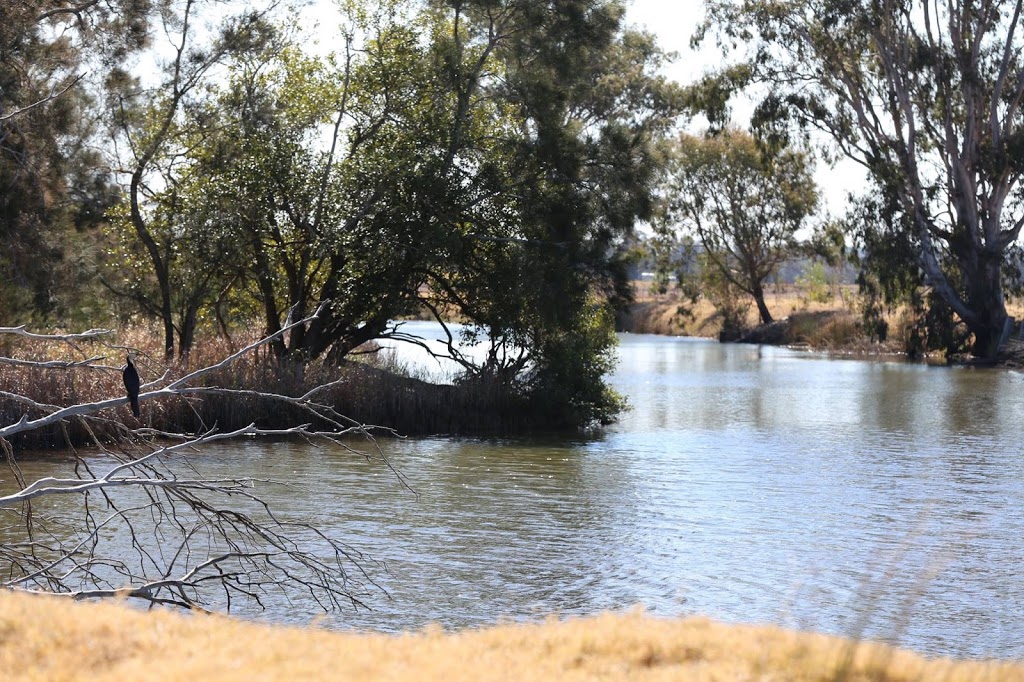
835, 331
51, 638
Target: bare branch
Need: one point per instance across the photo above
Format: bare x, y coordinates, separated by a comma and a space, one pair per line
81, 336
54, 94
194, 540
56, 364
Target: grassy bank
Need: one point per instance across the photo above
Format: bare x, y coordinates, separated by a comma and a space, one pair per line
801, 321
829, 324
45, 638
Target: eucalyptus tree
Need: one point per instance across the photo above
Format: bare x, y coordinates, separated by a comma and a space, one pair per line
744, 201
927, 97
53, 56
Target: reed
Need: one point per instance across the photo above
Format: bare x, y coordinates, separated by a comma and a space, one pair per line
374, 391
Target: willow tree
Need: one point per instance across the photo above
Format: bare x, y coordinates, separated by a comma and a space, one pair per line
926, 96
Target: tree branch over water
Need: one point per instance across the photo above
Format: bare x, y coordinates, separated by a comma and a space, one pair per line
136, 518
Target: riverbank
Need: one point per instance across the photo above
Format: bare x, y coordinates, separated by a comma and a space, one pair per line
46, 638
375, 390
800, 321
827, 324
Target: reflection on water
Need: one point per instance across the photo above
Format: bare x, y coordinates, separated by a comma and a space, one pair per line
747, 484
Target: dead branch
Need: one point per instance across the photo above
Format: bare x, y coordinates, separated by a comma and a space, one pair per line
81, 336
192, 541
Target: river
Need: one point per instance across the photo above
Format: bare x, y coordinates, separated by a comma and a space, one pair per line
748, 484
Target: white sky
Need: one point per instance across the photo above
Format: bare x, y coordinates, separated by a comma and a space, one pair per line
673, 22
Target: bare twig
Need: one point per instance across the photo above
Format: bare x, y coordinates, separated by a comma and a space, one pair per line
195, 540
81, 336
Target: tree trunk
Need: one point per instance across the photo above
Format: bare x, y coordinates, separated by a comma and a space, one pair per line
985, 299
160, 265
762, 308
188, 330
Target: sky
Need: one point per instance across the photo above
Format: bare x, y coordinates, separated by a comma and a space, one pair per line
674, 22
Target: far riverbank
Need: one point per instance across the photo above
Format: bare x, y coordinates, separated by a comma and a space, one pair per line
800, 322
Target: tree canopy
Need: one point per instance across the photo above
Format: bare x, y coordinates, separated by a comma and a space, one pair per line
744, 202
925, 96
53, 184
481, 161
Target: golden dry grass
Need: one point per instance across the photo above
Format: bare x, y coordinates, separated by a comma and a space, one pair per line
659, 314
46, 638
652, 313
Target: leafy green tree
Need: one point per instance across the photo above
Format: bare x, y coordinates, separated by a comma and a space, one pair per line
926, 97
744, 202
482, 160
560, 185
53, 187
331, 226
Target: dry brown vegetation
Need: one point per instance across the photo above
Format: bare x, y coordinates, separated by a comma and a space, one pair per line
832, 325
49, 638
652, 313
372, 392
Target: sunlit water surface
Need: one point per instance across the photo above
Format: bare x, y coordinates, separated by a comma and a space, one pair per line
749, 484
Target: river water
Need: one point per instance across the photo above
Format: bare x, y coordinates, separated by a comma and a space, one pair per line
749, 484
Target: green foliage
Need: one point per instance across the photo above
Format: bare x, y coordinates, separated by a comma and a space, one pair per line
815, 284
920, 95
484, 160
744, 203
567, 381
481, 161
53, 187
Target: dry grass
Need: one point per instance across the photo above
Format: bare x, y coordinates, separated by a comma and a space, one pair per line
369, 393
825, 325
661, 314
822, 325
46, 638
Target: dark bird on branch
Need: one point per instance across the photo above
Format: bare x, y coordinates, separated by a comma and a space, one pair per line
132, 383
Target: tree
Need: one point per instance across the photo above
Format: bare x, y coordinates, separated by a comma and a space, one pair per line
332, 223
52, 57
744, 202
563, 166
482, 159
146, 129
927, 98
193, 541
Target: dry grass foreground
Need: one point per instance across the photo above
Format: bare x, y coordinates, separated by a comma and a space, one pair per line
46, 638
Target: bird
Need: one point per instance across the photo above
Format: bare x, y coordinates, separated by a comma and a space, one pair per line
132, 383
